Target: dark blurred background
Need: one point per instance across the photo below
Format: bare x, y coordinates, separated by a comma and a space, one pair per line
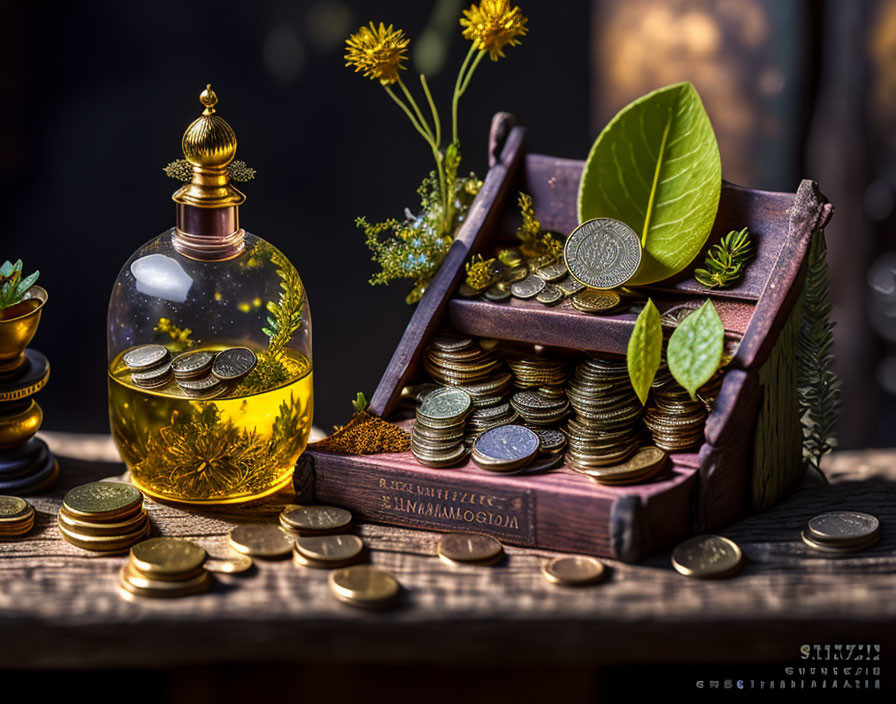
97, 95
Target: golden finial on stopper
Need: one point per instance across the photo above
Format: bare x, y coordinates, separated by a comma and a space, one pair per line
209, 144
209, 99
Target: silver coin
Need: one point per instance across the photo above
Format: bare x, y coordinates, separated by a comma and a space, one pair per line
552, 439
191, 364
570, 286
451, 343
553, 271
445, 403
203, 385
843, 526
234, 363
145, 357
153, 376
550, 295
602, 253
527, 288
507, 443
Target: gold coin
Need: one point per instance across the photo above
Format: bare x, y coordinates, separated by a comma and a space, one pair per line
133, 584
469, 547
300, 560
101, 501
707, 557
106, 543
261, 540
364, 586
838, 549
592, 300
316, 519
82, 527
330, 548
233, 564
13, 509
167, 556
573, 570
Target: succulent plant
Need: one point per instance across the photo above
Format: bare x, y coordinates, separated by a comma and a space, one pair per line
12, 286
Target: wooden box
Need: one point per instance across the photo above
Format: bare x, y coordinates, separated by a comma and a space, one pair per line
751, 455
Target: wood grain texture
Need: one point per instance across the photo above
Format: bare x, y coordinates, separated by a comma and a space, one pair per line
59, 607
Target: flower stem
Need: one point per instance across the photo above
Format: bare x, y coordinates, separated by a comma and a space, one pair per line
432, 107
418, 112
424, 133
458, 92
471, 71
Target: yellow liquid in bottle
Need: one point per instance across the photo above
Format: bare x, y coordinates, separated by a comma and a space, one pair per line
235, 447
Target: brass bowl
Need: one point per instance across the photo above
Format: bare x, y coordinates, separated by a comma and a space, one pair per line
18, 330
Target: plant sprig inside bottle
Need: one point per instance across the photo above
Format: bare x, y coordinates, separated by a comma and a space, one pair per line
414, 247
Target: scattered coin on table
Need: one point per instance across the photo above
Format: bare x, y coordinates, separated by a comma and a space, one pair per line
707, 557
573, 570
364, 586
233, 564
327, 551
16, 516
164, 568
315, 519
262, 540
469, 549
841, 533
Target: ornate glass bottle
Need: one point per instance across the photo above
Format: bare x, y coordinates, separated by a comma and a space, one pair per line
214, 428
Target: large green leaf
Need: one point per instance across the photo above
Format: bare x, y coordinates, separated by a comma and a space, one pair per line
695, 348
645, 347
656, 167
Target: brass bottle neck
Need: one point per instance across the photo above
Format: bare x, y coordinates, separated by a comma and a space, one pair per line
208, 234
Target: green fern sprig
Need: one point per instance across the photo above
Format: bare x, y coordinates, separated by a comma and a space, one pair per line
819, 387
725, 261
286, 314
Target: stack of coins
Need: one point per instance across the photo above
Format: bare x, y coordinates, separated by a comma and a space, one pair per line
191, 366
538, 409
327, 551
453, 360
482, 419
646, 464
707, 557
675, 420
605, 428
469, 549
16, 516
364, 586
841, 533
103, 517
263, 540
546, 375
437, 439
164, 568
505, 449
592, 300
314, 520
150, 366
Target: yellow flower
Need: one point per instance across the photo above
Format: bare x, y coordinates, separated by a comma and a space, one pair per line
377, 52
493, 25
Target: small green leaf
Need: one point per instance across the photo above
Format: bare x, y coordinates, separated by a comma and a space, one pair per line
360, 402
695, 348
6, 269
27, 283
645, 347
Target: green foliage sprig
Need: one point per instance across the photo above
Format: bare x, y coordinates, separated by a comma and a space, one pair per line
535, 242
360, 402
12, 286
818, 385
725, 261
182, 170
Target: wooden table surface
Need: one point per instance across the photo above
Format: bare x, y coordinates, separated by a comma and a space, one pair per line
60, 608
